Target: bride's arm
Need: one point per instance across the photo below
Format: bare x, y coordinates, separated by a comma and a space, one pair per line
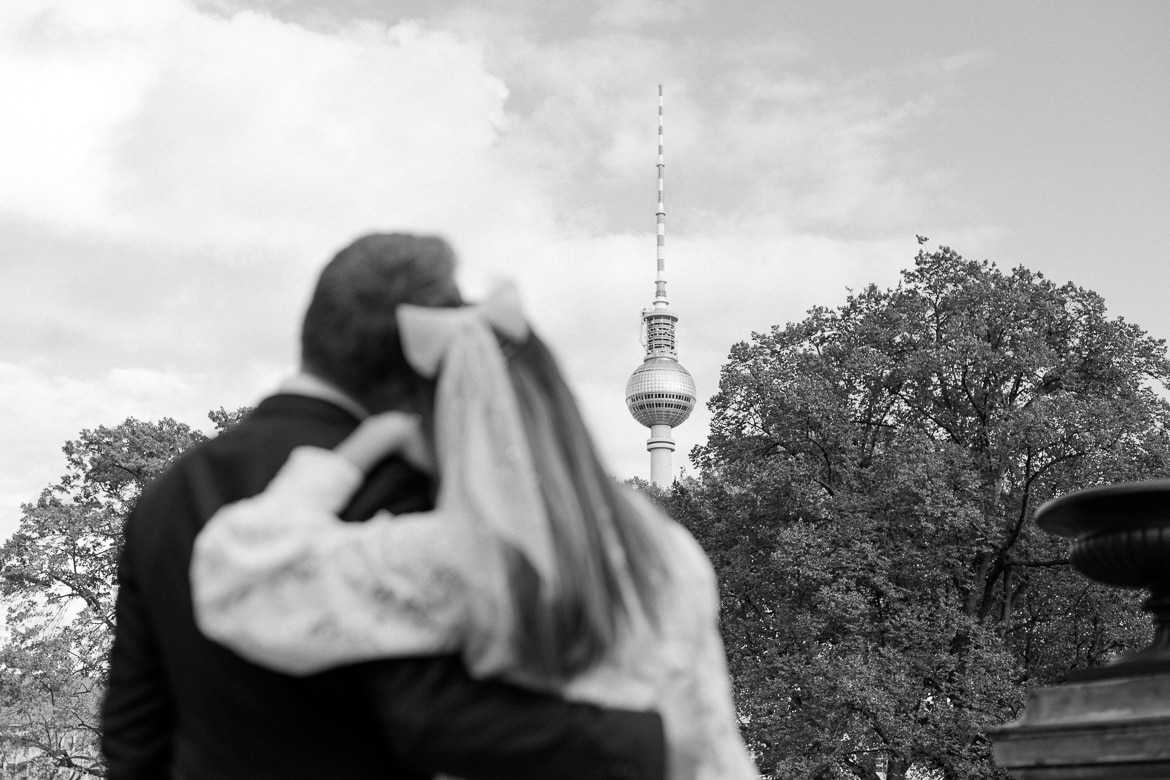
280, 580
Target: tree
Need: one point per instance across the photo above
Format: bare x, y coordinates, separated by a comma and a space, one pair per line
866, 493
57, 576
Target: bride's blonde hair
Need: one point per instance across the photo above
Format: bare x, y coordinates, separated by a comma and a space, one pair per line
605, 546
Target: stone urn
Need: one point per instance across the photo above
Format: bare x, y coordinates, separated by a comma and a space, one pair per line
1121, 537
1112, 722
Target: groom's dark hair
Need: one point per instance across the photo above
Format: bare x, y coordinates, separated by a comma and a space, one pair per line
350, 333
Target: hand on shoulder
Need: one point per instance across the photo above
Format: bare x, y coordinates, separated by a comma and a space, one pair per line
388, 433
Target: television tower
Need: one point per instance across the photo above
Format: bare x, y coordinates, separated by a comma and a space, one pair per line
660, 393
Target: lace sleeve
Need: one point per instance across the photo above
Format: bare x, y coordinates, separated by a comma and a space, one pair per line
284, 583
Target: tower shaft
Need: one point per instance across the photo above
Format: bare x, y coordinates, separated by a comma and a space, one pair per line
660, 446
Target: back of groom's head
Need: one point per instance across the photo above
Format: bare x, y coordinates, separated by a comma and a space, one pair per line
350, 334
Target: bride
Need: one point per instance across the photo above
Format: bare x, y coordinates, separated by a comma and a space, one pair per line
535, 565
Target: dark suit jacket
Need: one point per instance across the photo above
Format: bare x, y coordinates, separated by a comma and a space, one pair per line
180, 706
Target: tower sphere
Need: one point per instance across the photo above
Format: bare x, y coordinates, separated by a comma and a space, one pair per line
660, 392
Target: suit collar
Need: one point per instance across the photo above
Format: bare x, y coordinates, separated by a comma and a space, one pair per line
310, 386
282, 405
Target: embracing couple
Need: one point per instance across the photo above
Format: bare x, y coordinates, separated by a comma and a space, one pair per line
409, 562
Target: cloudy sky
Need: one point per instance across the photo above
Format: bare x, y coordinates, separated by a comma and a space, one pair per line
174, 172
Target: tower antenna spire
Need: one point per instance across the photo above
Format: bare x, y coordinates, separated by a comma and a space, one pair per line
660, 394
660, 214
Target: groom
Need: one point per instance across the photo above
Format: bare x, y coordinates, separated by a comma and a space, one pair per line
180, 706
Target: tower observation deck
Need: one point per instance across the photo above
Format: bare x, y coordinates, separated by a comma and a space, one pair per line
660, 394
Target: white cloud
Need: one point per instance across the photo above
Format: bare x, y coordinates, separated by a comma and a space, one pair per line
183, 127
638, 13
69, 75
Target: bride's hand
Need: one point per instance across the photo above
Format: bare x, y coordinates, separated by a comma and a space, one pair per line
384, 434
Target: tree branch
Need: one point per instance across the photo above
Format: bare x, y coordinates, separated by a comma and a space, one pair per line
1043, 564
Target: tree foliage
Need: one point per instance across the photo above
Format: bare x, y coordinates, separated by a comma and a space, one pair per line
866, 493
57, 578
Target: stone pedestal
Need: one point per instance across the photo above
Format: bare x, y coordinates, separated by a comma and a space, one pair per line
1116, 728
